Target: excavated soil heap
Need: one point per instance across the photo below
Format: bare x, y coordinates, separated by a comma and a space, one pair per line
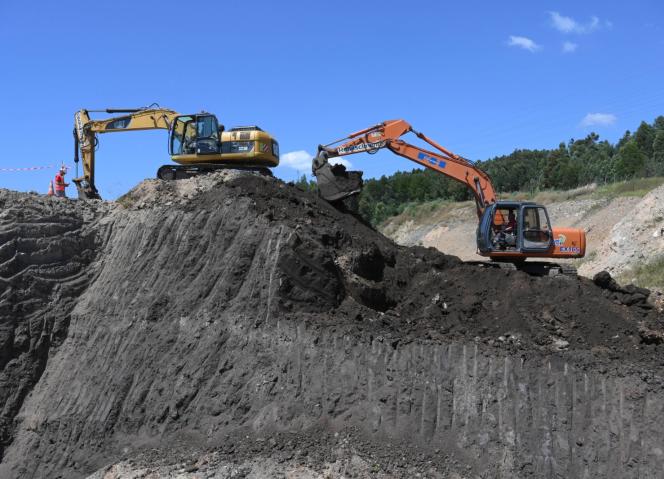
235, 326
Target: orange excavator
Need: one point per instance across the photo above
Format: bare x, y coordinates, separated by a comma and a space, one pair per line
509, 232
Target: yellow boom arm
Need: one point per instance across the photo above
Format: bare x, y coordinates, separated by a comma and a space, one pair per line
85, 137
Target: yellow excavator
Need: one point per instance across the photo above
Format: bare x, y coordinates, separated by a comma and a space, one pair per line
196, 142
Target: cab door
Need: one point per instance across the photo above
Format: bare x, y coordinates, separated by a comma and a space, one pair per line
180, 134
484, 230
535, 229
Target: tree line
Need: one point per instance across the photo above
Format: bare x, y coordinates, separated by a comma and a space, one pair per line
574, 163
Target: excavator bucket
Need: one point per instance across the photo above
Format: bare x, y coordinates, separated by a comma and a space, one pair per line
335, 183
85, 191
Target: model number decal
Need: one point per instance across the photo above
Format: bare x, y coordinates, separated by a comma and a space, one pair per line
361, 147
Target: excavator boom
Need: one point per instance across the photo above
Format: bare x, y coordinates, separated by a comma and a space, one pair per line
86, 130
336, 184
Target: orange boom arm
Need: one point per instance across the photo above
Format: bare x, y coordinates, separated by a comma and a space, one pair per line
388, 135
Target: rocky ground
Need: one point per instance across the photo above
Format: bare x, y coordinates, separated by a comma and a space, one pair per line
235, 326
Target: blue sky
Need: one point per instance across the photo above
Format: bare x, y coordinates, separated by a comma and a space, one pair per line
481, 78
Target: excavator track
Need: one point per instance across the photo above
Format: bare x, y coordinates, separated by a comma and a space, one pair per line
182, 172
533, 268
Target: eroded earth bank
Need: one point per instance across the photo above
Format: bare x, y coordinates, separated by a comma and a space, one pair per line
235, 326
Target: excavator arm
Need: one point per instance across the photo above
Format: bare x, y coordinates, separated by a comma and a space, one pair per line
335, 183
85, 137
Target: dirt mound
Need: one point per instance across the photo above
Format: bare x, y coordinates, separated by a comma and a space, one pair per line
238, 314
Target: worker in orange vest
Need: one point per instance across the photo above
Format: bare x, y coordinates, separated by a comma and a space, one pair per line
60, 184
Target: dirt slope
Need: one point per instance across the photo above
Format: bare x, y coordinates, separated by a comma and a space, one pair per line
636, 237
234, 325
46, 247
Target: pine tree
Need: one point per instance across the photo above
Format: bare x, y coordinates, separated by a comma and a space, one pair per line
658, 154
644, 137
625, 138
659, 123
630, 161
305, 184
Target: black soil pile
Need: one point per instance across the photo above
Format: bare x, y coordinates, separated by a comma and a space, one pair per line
193, 310
335, 263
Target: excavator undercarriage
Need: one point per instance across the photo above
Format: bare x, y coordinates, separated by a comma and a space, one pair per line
183, 172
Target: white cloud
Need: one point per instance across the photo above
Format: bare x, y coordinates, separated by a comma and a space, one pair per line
300, 160
523, 42
569, 25
592, 119
569, 47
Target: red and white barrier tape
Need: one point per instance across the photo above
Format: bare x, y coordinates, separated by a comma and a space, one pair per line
32, 168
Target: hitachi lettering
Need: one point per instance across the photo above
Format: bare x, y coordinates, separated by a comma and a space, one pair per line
431, 159
361, 147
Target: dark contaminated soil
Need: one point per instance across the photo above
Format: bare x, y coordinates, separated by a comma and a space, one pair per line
175, 314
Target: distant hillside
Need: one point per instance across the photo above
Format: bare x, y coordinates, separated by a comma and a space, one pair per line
572, 164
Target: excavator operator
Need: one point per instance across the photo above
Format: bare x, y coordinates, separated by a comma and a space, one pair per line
505, 232
511, 222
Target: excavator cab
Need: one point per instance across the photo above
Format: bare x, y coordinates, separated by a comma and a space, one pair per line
195, 135
200, 139
511, 228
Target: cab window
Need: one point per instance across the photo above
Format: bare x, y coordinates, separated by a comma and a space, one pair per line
206, 127
536, 228
207, 133
197, 134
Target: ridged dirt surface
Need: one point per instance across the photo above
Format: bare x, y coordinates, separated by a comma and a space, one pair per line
238, 327
45, 250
